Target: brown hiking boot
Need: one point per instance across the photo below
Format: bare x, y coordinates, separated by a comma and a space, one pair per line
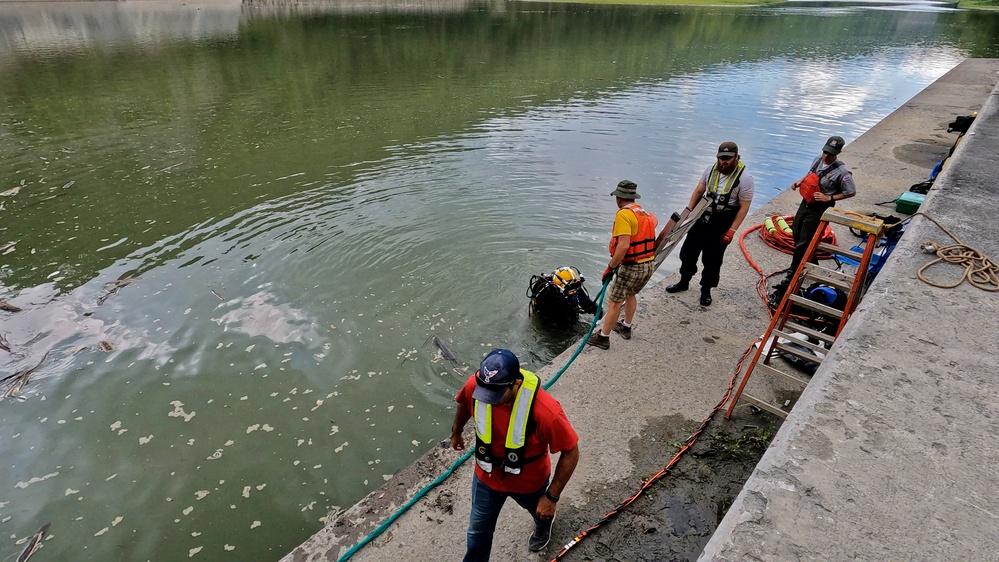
625, 331
596, 340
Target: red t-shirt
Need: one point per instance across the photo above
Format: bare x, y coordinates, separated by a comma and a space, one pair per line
553, 434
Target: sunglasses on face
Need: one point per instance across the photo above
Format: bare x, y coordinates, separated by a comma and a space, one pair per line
725, 158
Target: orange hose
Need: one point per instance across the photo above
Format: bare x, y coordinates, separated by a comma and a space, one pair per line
784, 242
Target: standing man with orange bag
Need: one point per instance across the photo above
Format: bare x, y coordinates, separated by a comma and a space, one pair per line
827, 181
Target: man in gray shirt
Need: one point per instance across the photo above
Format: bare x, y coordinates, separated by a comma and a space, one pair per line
827, 181
730, 190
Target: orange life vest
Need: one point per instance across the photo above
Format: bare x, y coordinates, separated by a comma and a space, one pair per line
643, 242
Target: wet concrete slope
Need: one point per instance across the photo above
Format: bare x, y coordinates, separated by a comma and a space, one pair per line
890, 452
897, 395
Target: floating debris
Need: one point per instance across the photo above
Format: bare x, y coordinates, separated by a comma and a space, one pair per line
114, 287
178, 411
217, 295
33, 543
35, 480
6, 306
13, 384
105, 346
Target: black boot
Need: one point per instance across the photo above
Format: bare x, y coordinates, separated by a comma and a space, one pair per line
682, 285
705, 296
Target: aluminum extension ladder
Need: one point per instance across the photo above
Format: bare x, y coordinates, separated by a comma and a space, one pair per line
782, 325
675, 229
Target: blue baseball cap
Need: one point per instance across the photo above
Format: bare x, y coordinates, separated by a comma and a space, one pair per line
497, 373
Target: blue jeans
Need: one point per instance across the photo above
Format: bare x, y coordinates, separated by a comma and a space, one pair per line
486, 506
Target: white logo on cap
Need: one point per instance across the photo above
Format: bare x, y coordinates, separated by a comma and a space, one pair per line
487, 375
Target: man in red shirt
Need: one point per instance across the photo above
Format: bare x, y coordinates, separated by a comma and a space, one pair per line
517, 425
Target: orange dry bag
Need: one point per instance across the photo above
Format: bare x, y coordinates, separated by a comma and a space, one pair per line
809, 186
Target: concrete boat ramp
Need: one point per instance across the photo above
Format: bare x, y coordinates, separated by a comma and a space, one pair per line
888, 454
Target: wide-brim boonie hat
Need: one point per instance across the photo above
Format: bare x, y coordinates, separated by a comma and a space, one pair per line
627, 190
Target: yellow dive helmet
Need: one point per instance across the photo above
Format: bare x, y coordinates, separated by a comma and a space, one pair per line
566, 277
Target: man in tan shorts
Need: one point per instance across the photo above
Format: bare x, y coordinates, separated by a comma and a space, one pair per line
633, 254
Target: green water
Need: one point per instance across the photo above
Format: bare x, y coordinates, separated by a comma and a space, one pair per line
302, 197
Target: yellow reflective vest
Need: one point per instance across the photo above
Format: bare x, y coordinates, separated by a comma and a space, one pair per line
516, 434
720, 194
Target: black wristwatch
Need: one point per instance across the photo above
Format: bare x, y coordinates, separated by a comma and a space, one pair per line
553, 499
